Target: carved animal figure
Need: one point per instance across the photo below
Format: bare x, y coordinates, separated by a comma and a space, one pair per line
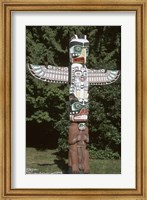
78, 138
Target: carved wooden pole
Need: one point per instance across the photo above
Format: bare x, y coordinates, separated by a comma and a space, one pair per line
78, 98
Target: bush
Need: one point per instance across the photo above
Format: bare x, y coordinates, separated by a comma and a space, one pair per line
103, 154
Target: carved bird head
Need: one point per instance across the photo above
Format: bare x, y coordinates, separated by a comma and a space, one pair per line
78, 49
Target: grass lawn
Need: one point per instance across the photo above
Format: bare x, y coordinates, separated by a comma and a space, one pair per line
48, 162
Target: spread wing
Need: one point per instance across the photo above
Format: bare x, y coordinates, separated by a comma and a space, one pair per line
102, 76
49, 73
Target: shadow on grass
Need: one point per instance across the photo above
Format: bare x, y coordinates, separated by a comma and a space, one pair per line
45, 164
63, 166
60, 161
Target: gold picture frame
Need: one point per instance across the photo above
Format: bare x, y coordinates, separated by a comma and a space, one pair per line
139, 6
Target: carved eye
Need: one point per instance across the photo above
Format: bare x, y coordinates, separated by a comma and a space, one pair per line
78, 49
85, 73
78, 73
76, 106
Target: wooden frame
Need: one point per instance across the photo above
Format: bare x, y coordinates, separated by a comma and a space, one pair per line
5, 99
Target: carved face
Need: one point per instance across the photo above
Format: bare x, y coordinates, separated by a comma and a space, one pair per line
79, 50
79, 82
78, 110
79, 73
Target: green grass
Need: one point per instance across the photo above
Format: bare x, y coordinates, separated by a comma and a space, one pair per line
48, 161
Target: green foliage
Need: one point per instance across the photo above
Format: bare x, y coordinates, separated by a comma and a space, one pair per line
62, 126
47, 102
103, 154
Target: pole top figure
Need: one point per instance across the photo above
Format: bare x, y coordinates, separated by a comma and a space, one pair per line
78, 49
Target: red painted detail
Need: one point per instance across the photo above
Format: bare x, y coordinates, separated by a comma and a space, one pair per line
78, 60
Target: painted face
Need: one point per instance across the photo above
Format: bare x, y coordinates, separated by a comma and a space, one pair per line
79, 82
79, 50
80, 74
78, 111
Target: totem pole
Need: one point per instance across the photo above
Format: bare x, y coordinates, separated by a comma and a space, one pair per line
79, 77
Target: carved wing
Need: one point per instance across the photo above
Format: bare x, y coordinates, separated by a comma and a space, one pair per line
102, 76
49, 73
